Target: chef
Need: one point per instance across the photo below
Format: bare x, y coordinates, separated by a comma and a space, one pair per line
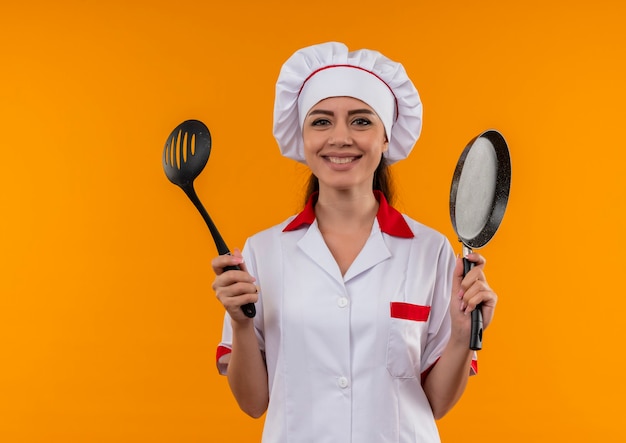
362, 326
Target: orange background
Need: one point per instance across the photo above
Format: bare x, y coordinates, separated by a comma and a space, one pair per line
108, 324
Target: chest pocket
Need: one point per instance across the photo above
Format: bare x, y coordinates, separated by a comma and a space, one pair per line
408, 323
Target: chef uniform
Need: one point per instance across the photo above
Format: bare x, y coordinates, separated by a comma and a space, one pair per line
346, 354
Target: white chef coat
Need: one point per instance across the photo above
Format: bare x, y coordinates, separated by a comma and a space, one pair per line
345, 354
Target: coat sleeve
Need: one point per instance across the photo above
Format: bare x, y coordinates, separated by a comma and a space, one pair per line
224, 348
440, 325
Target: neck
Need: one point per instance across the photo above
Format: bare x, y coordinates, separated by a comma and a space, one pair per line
337, 210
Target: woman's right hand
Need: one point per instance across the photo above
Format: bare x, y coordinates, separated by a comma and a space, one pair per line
234, 288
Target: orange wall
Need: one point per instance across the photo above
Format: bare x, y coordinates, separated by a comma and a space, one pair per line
107, 320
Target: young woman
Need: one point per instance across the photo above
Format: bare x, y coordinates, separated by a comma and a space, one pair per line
362, 328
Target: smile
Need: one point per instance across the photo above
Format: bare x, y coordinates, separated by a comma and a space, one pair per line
341, 160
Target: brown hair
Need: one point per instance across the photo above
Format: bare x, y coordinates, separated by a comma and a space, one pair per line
382, 182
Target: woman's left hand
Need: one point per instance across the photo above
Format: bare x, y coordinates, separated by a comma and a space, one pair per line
467, 293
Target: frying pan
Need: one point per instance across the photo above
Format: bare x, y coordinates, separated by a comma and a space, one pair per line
478, 198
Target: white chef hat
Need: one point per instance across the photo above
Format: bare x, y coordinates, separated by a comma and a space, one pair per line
328, 70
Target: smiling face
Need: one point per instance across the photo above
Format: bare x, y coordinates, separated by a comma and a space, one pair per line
344, 140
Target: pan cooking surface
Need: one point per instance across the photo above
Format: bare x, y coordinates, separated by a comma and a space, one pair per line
477, 188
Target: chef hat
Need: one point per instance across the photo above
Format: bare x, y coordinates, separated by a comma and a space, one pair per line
329, 70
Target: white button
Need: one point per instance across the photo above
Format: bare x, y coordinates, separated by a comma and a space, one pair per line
342, 382
342, 302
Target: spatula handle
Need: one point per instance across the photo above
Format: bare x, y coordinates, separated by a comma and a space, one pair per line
248, 309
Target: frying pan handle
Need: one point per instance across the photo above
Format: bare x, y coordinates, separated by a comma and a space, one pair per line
476, 337
248, 309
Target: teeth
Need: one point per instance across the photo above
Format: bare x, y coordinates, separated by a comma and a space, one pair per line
340, 160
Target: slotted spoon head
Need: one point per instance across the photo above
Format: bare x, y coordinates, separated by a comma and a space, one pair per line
186, 152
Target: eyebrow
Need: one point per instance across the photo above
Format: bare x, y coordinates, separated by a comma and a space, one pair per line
351, 112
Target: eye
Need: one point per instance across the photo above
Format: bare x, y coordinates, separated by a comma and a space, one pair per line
361, 121
320, 122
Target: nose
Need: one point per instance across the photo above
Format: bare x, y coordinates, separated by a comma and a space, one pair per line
340, 135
